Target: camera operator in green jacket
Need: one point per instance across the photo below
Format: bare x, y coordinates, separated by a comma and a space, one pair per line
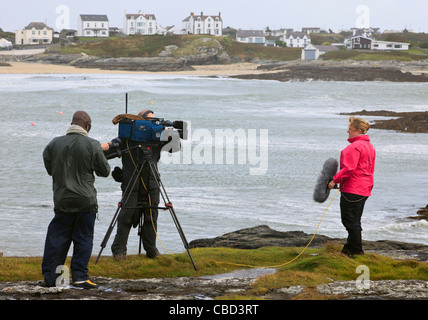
72, 160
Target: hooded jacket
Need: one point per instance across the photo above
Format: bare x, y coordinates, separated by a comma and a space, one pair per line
357, 163
71, 160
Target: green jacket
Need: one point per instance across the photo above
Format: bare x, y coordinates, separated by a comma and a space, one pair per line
71, 160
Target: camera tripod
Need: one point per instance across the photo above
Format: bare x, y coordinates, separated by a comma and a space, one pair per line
144, 162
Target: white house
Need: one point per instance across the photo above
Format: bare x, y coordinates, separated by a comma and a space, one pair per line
93, 25
251, 36
297, 39
5, 44
363, 42
310, 53
389, 45
34, 33
139, 23
203, 24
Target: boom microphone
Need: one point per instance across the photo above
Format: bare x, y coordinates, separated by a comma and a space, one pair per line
322, 190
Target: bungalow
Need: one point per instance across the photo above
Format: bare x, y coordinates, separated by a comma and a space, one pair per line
93, 25
297, 39
389, 45
362, 42
251, 36
34, 33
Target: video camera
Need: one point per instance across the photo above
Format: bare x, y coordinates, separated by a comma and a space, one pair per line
155, 129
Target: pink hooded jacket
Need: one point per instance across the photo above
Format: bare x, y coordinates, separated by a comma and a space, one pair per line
357, 162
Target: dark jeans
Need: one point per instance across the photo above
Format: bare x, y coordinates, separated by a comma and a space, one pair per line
351, 209
64, 229
129, 218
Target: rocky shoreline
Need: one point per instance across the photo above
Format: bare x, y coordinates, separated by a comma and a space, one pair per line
410, 122
298, 70
350, 70
209, 287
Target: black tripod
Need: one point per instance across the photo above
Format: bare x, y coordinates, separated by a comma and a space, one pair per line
143, 162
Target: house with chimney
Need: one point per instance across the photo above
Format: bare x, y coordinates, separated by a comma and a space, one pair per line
34, 33
363, 40
203, 24
93, 25
295, 39
139, 23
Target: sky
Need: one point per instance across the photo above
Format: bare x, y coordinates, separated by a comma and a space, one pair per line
243, 14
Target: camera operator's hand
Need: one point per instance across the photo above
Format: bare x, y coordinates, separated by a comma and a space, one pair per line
105, 146
117, 174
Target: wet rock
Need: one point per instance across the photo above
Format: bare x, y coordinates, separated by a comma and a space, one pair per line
410, 122
422, 214
385, 289
191, 288
263, 236
337, 71
164, 62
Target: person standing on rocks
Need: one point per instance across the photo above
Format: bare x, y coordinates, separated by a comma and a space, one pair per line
357, 164
146, 191
72, 160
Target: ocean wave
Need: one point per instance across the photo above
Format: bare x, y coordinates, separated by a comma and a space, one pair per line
405, 226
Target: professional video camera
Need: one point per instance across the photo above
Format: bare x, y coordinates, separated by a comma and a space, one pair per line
153, 131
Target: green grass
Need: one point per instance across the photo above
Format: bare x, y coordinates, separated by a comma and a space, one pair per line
312, 268
151, 46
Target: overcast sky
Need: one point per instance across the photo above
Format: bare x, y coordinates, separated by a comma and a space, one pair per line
244, 14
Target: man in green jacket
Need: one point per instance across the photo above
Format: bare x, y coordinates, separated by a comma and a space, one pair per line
72, 160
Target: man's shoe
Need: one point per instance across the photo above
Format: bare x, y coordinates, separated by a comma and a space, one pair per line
85, 284
119, 256
152, 255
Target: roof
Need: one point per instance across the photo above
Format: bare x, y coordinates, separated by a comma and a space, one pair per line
136, 15
297, 34
37, 26
202, 16
326, 48
250, 33
94, 17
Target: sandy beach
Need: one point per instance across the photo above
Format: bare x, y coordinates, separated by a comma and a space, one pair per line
210, 70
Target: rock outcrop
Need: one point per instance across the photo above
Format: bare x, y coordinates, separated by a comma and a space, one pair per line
410, 122
263, 236
337, 71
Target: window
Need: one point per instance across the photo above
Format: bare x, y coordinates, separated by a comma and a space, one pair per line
397, 46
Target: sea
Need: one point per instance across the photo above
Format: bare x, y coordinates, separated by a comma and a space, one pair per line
253, 153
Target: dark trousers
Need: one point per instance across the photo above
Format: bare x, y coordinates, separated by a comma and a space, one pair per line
130, 217
64, 229
351, 209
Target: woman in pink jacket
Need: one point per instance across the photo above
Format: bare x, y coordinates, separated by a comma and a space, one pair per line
357, 162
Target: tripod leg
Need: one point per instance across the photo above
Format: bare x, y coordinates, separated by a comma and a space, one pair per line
114, 220
140, 232
171, 211
109, 231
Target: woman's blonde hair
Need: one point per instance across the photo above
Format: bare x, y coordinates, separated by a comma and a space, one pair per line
359, 123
